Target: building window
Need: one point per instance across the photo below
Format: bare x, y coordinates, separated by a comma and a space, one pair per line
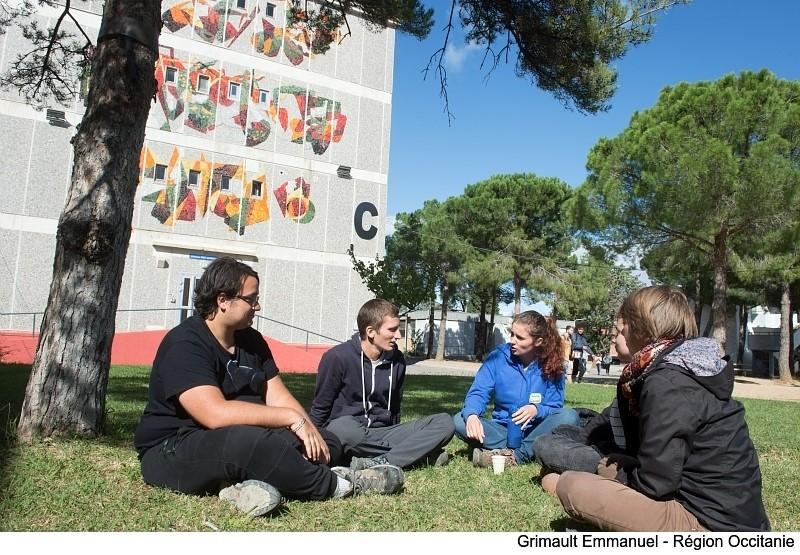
160, 172
270, 9
225, 183
233, 90
256, 190
194, 178
171, 75
202, 83
241, 3
263, 96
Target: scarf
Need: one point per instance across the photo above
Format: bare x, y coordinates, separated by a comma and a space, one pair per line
639, 365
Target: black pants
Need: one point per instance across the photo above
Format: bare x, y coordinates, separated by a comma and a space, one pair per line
578, 369
198, 461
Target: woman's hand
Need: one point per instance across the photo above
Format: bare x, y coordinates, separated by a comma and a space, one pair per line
525, 414
314, 447
475, 428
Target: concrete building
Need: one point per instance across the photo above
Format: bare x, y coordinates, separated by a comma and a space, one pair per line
255, 148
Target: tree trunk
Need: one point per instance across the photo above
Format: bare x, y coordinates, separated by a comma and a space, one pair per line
517, 295
443, 322
490, 327
742, 333
785, 353
480, 332
67, 387
718, 305
698, 300
431, 319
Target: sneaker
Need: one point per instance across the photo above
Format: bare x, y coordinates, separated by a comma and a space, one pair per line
442, 459
253, 497
381, 478
362, 463
483, 457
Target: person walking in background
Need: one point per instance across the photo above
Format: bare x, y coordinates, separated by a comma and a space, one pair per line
220, 420
580, 352
526, 379
566, 349
607, 360
359, 394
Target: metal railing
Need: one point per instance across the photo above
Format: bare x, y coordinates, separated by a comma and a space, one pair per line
308, 333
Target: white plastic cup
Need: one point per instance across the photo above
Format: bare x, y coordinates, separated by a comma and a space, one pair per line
498, 463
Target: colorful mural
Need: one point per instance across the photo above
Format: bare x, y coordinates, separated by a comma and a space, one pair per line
301, 115
197, 187
223, 23
170, 95
296, 205
214, 22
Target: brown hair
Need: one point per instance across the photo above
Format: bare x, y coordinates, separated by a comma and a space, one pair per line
658, 312
549, 352
372, 313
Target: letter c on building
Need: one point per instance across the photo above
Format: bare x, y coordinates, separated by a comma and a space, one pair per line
358, 220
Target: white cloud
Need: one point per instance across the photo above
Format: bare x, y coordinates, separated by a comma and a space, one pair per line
456, 56
389, 224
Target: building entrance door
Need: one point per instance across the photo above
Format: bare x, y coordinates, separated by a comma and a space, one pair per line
186, 297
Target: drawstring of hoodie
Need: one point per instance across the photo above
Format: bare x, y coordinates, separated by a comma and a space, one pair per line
364, 392
365, 402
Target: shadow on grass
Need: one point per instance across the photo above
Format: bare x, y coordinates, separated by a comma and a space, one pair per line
126, 397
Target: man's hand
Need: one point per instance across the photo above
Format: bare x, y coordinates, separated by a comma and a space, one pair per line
475, 428
314, 447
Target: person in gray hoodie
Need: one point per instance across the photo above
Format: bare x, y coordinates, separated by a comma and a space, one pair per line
359, 393
690, 464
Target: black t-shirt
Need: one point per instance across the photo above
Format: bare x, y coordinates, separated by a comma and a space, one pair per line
190, 356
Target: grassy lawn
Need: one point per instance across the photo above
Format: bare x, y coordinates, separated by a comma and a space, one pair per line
80, 485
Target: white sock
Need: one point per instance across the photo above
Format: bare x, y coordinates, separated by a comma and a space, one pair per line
343, 487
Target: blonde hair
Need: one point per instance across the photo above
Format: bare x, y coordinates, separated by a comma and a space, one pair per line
658, 312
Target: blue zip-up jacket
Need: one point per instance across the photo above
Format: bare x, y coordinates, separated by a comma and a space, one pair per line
503, 377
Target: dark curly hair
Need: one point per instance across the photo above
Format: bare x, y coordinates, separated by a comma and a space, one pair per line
549, 352
224, 275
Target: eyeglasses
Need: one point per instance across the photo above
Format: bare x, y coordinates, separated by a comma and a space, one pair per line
252, 301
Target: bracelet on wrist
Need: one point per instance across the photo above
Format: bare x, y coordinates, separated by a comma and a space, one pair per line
297, 426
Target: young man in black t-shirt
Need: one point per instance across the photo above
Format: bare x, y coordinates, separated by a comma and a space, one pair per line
218, 412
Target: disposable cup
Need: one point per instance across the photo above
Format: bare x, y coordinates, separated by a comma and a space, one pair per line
498, 463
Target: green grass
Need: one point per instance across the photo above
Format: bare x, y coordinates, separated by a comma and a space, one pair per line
82, 485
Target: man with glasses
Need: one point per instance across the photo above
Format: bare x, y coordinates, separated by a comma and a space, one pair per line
219, 414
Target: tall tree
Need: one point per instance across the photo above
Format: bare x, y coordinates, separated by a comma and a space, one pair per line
447, 251
519, 218
698, 167
564, 47
66, 391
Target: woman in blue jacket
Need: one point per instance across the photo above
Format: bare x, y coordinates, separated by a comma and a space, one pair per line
526, 380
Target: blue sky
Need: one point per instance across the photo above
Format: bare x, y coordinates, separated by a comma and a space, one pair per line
506, 125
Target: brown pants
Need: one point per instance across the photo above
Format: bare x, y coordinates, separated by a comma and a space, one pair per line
613, 507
